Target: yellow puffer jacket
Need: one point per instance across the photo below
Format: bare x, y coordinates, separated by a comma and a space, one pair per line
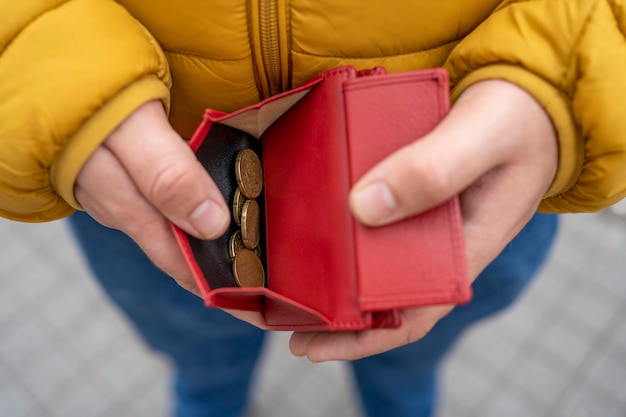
71, 71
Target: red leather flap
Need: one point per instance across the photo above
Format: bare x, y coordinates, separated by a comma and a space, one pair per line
280, 312
310, 256
420, 260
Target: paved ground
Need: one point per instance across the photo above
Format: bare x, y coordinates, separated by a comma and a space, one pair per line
561, 351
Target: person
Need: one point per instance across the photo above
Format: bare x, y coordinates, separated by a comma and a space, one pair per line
98, 96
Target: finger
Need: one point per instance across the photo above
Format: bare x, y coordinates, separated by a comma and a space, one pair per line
326, 346
473, 139
252, 317
168, 173
421, 175
122, 207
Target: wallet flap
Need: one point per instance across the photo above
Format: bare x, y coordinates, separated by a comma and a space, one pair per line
310, 256
280, 312
420, 260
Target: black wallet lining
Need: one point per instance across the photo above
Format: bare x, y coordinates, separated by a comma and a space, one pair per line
217, 154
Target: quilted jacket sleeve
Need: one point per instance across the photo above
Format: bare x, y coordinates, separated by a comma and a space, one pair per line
571, 56
70, 72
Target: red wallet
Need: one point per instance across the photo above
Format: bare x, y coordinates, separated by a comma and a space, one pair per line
325, 270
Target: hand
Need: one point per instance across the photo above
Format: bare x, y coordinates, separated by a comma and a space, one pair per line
143, 177
498, 150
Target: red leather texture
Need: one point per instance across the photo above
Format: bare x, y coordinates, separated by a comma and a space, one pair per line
325, 271
419, 260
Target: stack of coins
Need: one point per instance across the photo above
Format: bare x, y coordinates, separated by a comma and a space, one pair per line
244, 243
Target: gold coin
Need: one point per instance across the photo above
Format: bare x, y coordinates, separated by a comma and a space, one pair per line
249, 173
238, 201
250, 224
248, 269
235, 244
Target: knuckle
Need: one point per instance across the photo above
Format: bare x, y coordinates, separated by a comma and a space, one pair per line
428, 180
416, 333
169, 184
416, 330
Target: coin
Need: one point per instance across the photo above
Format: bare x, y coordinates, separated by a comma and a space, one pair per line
238, 201
249, 173
235, 244
250, 224
248, 269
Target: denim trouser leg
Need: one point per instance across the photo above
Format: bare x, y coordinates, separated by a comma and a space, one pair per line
213, 354
402, 382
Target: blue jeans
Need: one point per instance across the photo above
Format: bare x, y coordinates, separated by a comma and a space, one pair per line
214, 355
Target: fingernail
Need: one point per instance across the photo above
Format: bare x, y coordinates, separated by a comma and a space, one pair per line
208, 219
374, 204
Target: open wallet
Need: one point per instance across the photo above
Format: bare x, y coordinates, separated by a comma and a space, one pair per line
322, 269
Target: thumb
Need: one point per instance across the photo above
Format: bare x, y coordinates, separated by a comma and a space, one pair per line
466, 144
168, 174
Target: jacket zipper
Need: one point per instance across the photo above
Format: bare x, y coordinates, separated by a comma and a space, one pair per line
271, 67
270, 50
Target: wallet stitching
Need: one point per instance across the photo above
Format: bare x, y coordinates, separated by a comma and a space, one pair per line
456, 237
